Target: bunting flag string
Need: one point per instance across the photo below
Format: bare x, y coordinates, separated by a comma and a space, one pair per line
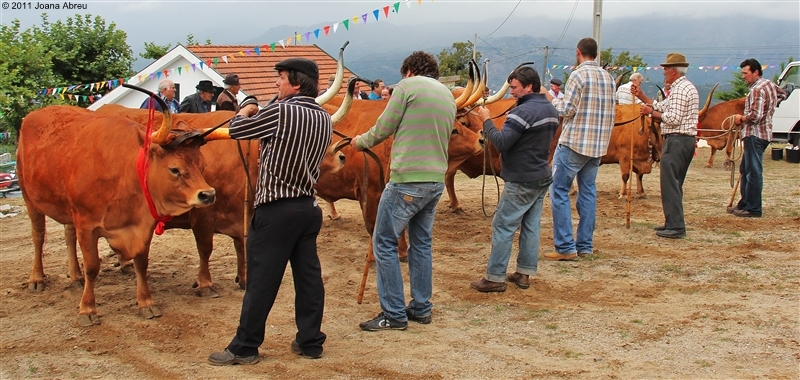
704, 68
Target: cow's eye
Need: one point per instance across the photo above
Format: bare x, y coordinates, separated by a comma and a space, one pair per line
175, 171
464, 123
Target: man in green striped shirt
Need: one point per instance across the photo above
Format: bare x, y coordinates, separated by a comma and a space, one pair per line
420, 115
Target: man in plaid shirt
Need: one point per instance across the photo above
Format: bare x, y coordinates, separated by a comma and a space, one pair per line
756, 134
588, 110
678, 114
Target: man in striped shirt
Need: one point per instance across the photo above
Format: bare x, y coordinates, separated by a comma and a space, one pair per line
588, 112
678, 114
294, 133
420, 115
759, 106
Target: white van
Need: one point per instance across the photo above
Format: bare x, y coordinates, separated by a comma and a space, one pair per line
786, 120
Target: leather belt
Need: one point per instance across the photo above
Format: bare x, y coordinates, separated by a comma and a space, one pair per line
676, 134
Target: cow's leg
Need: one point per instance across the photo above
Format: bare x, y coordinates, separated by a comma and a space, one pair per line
87, 311
147, 309
241, 262
36, 281
332, 213
75, 273
449, 183
624, 168
710, 162
402, 246
125, 266
204, 238
640, 186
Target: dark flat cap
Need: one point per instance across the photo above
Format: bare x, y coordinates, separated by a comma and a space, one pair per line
231, 79
556, 81
305, 66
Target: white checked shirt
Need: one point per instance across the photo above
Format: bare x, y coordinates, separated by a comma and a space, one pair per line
679, 109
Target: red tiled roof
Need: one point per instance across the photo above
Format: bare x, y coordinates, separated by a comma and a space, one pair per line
256, 72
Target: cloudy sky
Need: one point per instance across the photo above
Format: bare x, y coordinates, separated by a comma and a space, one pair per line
230, 22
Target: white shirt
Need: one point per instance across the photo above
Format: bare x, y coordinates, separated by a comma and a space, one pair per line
624, 95
560, 94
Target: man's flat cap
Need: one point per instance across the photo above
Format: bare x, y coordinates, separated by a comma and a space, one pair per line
305, 66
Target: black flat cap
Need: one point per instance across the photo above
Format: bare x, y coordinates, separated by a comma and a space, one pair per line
305, 66
556, 81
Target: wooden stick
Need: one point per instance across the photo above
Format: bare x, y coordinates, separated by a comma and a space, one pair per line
735, 187
630, 181
363, 279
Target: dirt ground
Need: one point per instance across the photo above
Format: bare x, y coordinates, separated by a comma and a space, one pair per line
722, 303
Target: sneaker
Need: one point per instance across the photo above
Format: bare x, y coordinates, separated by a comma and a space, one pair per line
413, 317
228, 358
660, 228
731, 209
746, 214
299, 351
382, 322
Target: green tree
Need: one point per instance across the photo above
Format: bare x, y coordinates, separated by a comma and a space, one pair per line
153, 51
25, 69
622, 61
738, 88
85, 50
455, 61
783, 67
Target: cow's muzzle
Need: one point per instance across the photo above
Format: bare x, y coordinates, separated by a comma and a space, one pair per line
207, 197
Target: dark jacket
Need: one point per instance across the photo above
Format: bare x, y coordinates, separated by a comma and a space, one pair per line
194, 104
524, 140
227, 101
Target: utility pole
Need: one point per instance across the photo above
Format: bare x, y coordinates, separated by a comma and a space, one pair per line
475, 47
544, 65
597, 23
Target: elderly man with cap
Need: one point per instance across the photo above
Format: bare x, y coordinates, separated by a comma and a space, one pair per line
227, 99
286, 220
678, 114
199, 102
555, 88
166, 90
624, 95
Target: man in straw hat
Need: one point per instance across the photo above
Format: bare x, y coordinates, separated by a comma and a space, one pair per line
678, 114
287, 219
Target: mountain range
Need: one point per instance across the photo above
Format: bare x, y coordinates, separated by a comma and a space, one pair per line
376, 50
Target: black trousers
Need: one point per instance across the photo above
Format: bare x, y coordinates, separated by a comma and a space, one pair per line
676, 156
282, 231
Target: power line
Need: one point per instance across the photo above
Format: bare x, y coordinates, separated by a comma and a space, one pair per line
569, 21
504, 21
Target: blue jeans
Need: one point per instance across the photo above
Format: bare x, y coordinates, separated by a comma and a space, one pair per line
402, 205
752, 171
520, 206
567, 165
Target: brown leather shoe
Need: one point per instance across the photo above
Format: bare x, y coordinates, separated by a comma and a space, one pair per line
555, 256
486, 286
521, 280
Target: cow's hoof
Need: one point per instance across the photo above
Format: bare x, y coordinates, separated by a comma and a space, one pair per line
242, 284
127, 269
642, 196
208, 292
458, 211
708, 166
149, 312
88, 320
77, 284
335, 217
36, 286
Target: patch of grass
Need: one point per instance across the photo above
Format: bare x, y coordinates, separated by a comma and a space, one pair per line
477, 321
702, 363
535, 313
672, 268
624, 334
637, 321
551, 326
562, 268
572, 354
500, 308
720, 329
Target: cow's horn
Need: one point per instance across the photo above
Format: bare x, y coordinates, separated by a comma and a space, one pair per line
708, 102
346, 103
159, 137
502, 91
470, 85
618, 81
337, 83
478, 92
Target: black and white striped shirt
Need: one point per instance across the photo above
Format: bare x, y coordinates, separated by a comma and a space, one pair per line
295, 133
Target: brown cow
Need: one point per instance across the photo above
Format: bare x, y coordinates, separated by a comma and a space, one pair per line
713, 127
647, 142
79, 169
